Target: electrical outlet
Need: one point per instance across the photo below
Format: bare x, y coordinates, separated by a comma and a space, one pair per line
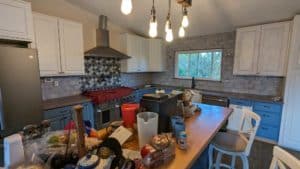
56, 83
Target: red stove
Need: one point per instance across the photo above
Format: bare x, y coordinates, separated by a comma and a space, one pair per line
107, 104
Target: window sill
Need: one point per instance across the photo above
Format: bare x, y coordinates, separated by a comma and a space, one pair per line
197, 79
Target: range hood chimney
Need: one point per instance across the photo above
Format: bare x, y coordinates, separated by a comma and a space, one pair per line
102, 49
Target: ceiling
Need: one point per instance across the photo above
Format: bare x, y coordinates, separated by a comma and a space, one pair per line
206, 16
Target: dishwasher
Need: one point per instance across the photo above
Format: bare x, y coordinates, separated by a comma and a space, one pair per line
217, 101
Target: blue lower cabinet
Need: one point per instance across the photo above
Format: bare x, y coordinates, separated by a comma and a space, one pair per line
269, 132
60, 117
270, 114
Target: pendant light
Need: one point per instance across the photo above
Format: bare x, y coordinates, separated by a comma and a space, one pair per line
126, 7
185, 19
168, 26
181, 32
153, 23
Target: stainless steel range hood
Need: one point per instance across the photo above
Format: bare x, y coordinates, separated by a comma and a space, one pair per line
102, 49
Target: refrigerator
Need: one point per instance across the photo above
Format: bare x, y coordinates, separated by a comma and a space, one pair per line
20, 90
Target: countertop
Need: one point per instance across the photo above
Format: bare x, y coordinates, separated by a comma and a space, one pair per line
64, 101
200, 128
263, 98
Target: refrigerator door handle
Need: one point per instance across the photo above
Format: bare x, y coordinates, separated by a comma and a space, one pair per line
1, 112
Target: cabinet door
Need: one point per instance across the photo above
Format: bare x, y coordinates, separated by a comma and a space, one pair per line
156, 55
131, 48
143, 54
71, 43
289, 134
47, 43
16, 20
246, 51
273, 53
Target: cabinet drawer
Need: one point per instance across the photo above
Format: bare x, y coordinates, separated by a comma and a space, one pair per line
268, 132
268, 107
240, 102
270, 118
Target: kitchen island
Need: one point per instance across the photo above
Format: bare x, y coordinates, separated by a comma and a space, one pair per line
200, 129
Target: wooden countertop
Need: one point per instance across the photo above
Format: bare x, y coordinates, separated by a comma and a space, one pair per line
201, 128
64, 101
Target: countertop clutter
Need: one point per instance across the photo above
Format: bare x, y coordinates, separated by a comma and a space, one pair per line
264, 98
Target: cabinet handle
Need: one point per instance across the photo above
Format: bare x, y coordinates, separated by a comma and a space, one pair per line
264, 128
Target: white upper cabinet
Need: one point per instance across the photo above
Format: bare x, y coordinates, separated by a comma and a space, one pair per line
262, 50
246, 51
273, 53
16, 20
289, 130
137, 48
156, 55
71, 47
60, 46
146, 54
47, 44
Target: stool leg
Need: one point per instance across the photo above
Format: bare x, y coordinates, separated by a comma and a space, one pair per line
210, 156
232, 166
245, 162
219, 160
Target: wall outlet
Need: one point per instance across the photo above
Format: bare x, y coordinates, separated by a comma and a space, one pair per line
56, 83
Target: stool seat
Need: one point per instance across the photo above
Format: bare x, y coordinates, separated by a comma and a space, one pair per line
232, 142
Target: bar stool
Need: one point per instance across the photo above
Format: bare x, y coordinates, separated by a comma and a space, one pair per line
235, 144
281, 159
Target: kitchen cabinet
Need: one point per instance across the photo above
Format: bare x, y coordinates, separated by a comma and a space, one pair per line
273, 53
16, 20
60, 117
147, 55
71, 46
60, 46
137, 48
270, 114
289, 134
262, 50
157, 54
47, 43
246, 51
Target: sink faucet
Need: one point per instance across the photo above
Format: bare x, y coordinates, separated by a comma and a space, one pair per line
193, 83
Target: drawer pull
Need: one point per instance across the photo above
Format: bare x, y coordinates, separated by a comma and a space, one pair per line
264, 128
267, 107
265, 115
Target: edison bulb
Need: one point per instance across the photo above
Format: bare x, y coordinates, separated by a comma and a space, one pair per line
169, 35
153, 29
167, 26
181, 32
126, 7
185, 21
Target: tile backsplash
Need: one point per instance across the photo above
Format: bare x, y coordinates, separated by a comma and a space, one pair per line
229, 82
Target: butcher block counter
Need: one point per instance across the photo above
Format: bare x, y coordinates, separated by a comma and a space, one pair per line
200, 129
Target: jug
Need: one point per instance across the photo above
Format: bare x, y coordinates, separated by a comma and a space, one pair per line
147, 124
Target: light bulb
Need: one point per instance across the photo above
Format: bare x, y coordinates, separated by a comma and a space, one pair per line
167, 26
153, 29
181, 32
185, 21
126, 7
169, 35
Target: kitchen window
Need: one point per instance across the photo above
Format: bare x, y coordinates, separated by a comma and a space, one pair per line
201, 64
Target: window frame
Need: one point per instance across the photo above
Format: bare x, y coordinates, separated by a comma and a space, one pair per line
197, 51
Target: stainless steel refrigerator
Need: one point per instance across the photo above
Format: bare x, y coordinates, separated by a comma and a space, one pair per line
20, 89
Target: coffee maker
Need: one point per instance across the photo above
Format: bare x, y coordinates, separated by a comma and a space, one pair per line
163, 104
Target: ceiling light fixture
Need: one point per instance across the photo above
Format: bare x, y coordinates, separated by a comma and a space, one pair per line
168, 26
185, 19
126, 7
153, 23
181, 32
